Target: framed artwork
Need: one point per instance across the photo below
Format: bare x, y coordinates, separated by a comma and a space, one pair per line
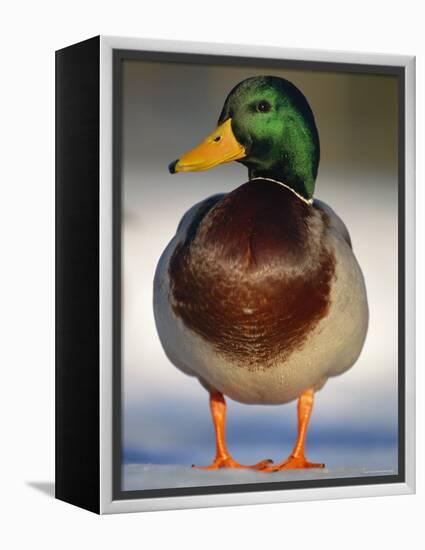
234, 274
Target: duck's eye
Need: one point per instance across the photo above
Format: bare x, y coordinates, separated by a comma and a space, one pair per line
264, 107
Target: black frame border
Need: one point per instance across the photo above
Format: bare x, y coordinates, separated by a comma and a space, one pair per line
120, 55
77, 181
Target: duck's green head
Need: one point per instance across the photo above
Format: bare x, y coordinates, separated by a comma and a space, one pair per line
267, 125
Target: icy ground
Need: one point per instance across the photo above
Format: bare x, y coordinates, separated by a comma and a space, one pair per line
154, 476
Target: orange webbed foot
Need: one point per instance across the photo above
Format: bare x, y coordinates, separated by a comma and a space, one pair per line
297, 459
229, 462
223, 458
292, 463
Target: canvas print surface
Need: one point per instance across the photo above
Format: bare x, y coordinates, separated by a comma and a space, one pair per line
258, 275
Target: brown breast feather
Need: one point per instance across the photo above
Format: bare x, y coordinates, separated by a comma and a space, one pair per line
253, 276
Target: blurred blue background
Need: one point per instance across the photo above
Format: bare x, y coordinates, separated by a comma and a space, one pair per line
167, 109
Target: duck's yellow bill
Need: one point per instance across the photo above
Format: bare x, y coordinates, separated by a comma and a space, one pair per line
219, 147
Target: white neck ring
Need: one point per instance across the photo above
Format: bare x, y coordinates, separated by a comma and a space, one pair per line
307, 201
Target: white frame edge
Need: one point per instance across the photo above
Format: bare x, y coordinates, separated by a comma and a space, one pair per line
107, 504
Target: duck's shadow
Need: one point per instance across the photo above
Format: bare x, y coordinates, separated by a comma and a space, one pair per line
46, 487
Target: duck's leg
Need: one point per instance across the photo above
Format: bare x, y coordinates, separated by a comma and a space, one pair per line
223, 458
297, 458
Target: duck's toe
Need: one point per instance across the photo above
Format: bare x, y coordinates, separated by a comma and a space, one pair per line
291, 463
228, 462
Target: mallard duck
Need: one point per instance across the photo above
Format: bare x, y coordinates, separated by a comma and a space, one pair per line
259, 294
